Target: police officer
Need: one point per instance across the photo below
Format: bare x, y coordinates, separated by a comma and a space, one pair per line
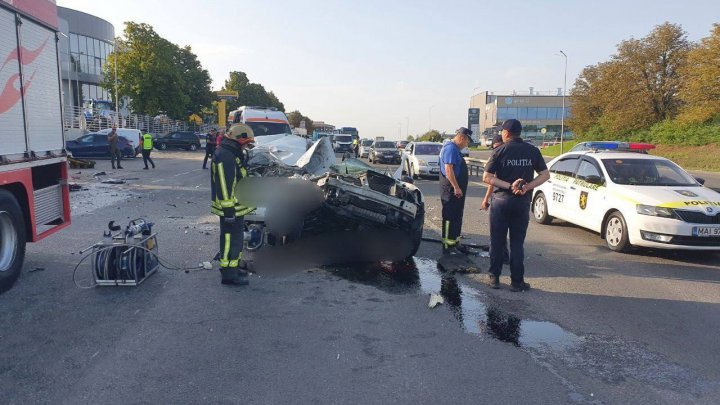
147, 146
510, 171
210, 145
453, 186
228, 168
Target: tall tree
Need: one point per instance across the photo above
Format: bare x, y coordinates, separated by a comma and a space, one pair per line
638, 87
701, 81
250, 93
296, 118
156, 74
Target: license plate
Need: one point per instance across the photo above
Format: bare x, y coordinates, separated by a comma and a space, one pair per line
706, 231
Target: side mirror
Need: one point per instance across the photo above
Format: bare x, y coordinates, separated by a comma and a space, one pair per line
594, 180
700, 180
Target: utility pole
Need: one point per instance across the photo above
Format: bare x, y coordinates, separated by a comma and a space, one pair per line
407, 127
562, 119
117, 105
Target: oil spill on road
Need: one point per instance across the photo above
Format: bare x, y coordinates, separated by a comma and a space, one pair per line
611, 359
468, 304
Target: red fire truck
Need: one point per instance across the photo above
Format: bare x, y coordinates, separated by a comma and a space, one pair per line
34, 198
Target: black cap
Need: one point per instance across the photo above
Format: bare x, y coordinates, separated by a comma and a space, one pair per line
513, 126
464, 131
497, 139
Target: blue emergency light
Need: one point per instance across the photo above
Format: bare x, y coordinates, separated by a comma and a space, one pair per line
602, 145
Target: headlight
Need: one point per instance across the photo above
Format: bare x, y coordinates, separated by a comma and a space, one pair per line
655, 211
422, 162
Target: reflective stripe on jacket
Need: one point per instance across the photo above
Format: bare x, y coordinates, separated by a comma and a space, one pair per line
228, 168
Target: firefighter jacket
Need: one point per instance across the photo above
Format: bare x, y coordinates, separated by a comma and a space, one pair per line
228, 168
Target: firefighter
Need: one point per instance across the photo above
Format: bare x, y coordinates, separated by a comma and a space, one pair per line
228, 168
453, 186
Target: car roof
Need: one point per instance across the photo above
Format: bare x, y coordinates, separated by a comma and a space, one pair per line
427, 143
613, 155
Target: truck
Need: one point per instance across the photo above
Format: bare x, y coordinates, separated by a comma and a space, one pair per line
34, 195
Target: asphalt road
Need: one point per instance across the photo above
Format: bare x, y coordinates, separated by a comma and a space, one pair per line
598, 327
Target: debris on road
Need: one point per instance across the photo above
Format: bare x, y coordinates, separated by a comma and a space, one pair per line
98, 174
80, 163
435, 300
75, 187
113, 181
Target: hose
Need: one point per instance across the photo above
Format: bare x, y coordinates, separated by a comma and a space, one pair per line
104, 254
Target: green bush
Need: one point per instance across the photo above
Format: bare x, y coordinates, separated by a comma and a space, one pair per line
663, 133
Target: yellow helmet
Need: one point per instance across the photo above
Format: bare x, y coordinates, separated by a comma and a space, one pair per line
241, 133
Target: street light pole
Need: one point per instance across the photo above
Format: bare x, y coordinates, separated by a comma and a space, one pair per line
117, 105
77, 79
407, 127
562, 119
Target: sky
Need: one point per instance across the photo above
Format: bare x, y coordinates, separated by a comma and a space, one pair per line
397, 68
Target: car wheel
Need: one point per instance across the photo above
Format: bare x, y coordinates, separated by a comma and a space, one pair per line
539, 208
193, 147
616, 233
413, 174
12, 240
163, 146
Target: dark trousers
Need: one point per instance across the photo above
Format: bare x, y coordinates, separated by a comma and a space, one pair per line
508, 214
209, 153
146, 158
452, 214
115, 154
231, 243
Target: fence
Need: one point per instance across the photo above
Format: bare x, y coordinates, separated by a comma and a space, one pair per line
80, 120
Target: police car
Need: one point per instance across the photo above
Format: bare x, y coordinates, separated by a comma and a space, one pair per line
631, 199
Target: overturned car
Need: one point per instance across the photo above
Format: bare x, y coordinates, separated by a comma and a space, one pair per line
357, 212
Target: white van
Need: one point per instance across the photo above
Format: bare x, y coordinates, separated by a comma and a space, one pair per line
272, 131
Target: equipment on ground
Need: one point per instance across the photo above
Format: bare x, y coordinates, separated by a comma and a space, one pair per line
125, 257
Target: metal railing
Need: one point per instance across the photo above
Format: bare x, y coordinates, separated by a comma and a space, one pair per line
78, 119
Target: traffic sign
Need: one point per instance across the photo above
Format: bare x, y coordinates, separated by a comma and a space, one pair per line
226, 95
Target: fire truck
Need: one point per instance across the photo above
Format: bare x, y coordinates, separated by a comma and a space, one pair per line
34, 198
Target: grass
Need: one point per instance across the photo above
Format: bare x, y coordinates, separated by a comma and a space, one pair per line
689, 157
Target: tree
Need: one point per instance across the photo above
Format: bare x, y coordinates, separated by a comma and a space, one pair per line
156, 74
410, 138
250, 93
638, 87
296, 118
431, 136
700, 90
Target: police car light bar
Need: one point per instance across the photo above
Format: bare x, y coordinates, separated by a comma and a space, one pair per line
602, 145
641, 146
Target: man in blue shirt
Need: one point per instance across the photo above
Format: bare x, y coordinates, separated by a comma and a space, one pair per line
453, 186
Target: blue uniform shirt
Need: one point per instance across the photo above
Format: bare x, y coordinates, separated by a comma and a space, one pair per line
450, 154
515, 160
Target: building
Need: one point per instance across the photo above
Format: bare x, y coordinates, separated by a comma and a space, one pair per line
535, 110
85, 44
323, 127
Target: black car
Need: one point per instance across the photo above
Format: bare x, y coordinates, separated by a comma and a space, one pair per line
96, 145
187, 140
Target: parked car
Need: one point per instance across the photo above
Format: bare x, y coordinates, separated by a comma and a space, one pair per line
178, 140
630, 199
384, 152
421, 159
95, 145
401, 145
365, 147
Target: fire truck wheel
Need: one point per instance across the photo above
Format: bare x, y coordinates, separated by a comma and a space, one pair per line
12, 240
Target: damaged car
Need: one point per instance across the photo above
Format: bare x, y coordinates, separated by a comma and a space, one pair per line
320, 196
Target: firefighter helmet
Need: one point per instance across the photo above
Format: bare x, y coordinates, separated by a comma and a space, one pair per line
241, 133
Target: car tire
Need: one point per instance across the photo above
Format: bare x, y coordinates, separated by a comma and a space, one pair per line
163, 146
616, 233
540, 210
192, 147
12, 240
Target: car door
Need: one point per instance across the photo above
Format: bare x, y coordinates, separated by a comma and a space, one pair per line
585, 197
408, 156
100, 146
562, 175
82, 146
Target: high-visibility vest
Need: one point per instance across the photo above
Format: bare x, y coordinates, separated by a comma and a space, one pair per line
147, 142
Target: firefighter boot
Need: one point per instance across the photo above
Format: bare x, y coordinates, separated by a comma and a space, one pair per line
231, 276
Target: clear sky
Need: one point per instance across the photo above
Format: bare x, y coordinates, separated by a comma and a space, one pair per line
378, 65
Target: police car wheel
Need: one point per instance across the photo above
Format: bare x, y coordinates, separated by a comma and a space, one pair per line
539, 209
193, 147
616, 234
163, 146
